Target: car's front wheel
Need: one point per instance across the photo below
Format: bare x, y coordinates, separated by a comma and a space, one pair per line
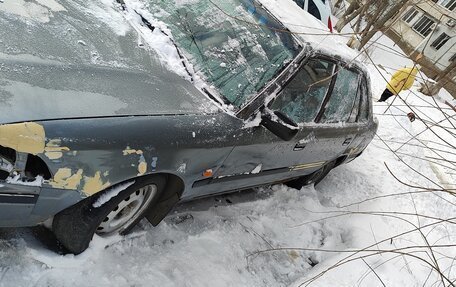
113, 211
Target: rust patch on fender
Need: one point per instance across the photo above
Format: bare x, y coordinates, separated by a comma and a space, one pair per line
53, 150
65, 179
142, 163
142, 166
94, 184
30, 137
26, 137
129, 151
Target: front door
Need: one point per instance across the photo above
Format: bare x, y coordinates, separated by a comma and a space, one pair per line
261, 157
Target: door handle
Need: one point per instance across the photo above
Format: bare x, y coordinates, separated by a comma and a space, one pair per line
347, 141
299, 146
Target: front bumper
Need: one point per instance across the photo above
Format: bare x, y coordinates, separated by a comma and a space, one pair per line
22, 205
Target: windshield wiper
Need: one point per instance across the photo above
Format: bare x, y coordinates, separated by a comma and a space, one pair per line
221, 99
152, 28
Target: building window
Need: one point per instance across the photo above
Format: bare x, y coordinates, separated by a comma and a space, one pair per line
410, 15
449, 4
440, 41
424, 25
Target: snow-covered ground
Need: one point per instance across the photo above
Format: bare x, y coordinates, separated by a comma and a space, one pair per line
215, 242
278, 236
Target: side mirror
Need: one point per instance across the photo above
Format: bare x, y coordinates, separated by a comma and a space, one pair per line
279, 124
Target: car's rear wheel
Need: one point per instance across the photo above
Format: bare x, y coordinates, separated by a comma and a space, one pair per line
315, 177
104, 215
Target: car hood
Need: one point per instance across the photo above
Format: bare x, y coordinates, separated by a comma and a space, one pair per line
38, 91
82, 59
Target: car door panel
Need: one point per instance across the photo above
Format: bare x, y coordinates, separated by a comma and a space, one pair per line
260, 157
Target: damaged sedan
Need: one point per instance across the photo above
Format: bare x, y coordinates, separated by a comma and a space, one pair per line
112, 112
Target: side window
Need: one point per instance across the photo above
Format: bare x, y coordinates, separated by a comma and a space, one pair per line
343, 99
302, 97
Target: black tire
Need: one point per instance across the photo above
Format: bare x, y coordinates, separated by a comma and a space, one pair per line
75, 226
315, 177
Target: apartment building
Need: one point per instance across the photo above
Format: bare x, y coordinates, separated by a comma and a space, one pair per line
429, 26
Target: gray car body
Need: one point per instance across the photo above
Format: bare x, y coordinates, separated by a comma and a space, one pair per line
95, 125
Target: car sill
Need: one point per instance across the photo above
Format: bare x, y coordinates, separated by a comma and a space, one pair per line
18, 198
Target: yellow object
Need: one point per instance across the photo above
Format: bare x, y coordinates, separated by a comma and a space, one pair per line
94, 184
402, 80
142, 168
53, 150
25, 137
64, 179
129, 151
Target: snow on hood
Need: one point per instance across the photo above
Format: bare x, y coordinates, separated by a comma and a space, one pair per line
47, 92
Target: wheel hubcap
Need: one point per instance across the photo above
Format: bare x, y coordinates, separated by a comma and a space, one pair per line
128, 210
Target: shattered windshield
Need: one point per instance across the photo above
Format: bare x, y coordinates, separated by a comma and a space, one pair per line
234, 44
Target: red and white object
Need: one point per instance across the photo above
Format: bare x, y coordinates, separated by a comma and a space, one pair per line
320, 9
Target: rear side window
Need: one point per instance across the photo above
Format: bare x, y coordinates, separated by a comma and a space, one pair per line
364, 105
356, 106
302, 97
344, 102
